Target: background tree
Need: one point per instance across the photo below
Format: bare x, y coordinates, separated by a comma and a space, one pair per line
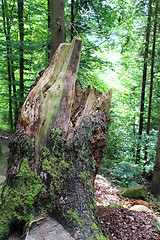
57, 23
33, 47
21, 50
7, 28
152, 76
144, 78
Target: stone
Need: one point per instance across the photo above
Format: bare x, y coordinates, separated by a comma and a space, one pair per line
143, 208
140, 208
136, 192
49, 229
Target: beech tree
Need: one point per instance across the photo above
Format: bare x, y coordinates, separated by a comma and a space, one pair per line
56, 24
56, 150
21, 58
7, 28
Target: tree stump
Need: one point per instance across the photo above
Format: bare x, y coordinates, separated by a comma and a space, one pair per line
56, 150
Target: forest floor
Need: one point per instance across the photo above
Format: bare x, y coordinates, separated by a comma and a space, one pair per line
117, 220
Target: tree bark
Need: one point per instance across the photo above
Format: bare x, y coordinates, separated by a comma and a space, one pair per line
21, 61
72, 19
60, 139
49, 22
7, 27
57, 24
144, 80
155, 186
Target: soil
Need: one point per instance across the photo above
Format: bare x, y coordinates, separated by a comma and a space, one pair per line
117, 220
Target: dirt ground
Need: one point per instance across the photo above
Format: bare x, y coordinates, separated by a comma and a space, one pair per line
117, 220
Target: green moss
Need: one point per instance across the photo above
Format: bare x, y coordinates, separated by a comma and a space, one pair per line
73, 216
98, 237
28, 191
136, 192
114, 205
54, 164
19, 199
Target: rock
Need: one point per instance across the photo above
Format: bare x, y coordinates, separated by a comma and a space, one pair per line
136, 192
50, 229
143, 208
140, 208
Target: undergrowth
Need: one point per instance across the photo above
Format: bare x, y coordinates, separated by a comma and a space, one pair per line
123, 173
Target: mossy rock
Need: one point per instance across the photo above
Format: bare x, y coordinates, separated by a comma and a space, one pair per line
136, 192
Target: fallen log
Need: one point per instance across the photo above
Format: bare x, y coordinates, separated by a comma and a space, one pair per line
56, 150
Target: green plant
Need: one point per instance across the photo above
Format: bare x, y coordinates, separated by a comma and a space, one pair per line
124, 173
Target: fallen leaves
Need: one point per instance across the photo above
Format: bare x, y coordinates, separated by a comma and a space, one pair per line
118, 222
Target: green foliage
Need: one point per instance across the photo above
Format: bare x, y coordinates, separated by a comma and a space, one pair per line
34, 51
124, 173
19, 199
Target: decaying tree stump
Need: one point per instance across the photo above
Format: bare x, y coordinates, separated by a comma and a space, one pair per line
56, 150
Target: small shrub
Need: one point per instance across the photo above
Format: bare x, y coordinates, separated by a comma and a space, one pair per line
125, 173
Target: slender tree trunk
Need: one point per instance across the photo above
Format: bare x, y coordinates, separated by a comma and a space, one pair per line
72, 19
49, 22
16, 111
6, 26
57, 148
57, 24
144, 80
21, 61
155, 186
152, 75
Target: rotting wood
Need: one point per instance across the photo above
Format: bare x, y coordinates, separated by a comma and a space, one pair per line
62, 133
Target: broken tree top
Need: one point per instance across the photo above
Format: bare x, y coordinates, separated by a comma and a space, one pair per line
51, 100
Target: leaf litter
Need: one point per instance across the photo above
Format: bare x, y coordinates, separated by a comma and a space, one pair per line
117, 220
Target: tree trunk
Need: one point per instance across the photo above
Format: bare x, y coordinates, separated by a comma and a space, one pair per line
155, 187
49, 22
57, 148
57, 24
144, 80
72, 19
7, 27
21, 61
152, 75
